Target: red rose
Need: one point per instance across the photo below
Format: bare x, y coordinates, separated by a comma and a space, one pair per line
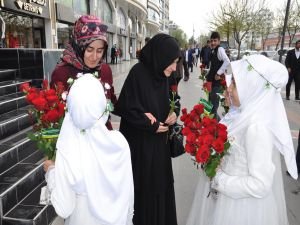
208, 139
213, 122
191, 138
183, 117
174, 88
199, 109
206, 121
52, 99
222, 134
202, 154
40, 103
186, 131
211, 129
45, 84
207, 86
221, 126
24, 87
199, 141
52, 116
205, 131
184, 111
194, 116
218, 145
61, 109
187, 121
49, 92
31, 96
33, 90
189, 148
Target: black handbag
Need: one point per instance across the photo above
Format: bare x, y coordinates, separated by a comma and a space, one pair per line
176, 140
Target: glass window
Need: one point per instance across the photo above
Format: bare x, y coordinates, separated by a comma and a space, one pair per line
81, 6
18, 31
104, 11
64, 32
68, 3
121, 19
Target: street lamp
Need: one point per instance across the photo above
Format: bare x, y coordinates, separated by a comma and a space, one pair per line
284, 28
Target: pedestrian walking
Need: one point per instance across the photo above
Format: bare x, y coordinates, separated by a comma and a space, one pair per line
205, 54
144, 108
218, 65
292, 63
113, 54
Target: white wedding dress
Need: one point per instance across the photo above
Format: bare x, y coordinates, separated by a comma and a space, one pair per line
249, 184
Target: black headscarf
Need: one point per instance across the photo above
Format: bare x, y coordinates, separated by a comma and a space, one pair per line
159, 53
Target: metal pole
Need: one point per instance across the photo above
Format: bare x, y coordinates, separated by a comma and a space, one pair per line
284, 28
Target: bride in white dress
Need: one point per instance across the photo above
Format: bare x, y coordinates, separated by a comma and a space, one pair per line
249, 180
91, 182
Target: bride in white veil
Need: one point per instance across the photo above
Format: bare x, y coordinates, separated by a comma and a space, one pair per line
249, 180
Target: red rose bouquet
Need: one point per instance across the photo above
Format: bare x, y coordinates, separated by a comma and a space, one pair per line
48, 110
206, 139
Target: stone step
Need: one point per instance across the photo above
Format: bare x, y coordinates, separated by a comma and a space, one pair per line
11, 102
14, 121
11, 86
29, 211
17, 182
18, 149
8, 74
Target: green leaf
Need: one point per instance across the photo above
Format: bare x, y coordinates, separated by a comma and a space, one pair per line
211, 167
226, 145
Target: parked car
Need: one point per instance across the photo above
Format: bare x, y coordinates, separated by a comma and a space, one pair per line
283, 52
269, 54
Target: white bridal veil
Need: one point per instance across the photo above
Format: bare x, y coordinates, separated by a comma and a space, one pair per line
91, 160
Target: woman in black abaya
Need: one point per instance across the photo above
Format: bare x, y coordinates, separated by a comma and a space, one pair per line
144, 108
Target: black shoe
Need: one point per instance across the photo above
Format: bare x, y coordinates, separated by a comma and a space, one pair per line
297, 99
287, 98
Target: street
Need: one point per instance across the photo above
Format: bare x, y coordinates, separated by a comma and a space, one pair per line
185, 173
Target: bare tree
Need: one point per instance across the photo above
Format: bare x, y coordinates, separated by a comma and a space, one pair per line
293, 21
239, 14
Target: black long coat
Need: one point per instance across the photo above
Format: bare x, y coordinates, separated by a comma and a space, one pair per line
151, 162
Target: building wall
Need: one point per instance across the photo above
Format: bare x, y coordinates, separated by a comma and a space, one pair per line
126, 21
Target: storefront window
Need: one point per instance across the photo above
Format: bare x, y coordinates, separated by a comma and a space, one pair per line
23, 31
121, 19
64, 32
104, 11
79, 6
68, 3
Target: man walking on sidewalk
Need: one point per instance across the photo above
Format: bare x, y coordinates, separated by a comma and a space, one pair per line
219, 63
292, 63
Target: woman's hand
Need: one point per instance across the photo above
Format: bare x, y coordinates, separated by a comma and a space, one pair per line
48, 164
162, 128
151, 117
172, 118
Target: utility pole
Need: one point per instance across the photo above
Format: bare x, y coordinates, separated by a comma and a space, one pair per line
284, 28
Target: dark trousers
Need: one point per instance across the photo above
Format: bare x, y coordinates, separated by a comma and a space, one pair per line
190, 65
214, 99
298, 153
112, 60
296, 78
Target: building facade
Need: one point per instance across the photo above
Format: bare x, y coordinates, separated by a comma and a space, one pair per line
49, 23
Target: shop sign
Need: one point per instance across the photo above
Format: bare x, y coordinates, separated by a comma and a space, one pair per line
28, 6
35, 7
